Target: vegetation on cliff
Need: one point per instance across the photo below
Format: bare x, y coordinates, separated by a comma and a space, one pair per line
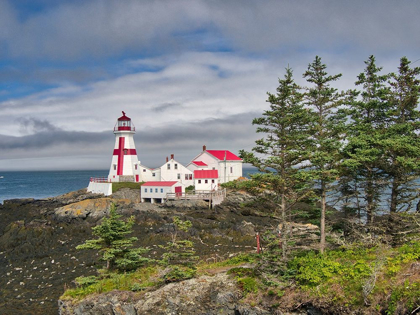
347, 161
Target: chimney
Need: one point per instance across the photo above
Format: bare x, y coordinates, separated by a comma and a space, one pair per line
167, 160
204, 148
172, 156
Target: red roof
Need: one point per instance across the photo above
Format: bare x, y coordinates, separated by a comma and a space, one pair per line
123, 117
220, 155
199, 163
206, 174
159, 183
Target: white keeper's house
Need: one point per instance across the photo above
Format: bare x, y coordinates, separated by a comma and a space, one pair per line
228, 165
173, 170
205, 172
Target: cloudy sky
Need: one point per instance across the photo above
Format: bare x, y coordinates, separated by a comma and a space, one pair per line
188, 72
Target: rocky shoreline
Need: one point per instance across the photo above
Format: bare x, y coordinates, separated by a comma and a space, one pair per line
38, 259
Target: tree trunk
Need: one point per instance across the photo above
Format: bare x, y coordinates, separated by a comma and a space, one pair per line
369, 198
394, 195
284, 227
323, 208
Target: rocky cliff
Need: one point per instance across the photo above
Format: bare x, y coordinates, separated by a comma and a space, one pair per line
210, 295
38, 259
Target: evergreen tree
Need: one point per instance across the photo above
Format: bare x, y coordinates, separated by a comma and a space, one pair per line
402, 142
327, 127
179, 253
364, 152
280, 153
114, 245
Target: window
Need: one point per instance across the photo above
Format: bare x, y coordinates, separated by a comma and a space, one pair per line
153, 174
176, 166
125, 151
212, 181
231, 169
115, 167
190, 176
186, 176
179, 175
145, 190
144, 170
135, 166
199, 181
161, 190
169, 166
206, 181
156, 190
214, 168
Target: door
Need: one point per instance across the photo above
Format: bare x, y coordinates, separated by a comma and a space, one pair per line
137, 178
178, 191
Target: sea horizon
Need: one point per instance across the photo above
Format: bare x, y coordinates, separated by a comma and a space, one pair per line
47, 184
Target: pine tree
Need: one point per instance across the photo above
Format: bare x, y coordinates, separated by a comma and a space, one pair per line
280, 153
364, 152
402, 142
327, 127
114, 245
179, 253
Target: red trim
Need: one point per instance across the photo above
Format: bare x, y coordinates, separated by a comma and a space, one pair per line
159, 184
224, 154
199, 163
124, 128
206, 174
120, 154
129, 151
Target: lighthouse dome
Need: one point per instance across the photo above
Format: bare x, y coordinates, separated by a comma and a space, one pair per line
124, 123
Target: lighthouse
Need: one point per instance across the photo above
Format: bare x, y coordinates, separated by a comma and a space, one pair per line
125, 166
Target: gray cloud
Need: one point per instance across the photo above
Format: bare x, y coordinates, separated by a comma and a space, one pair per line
153, 145
105, 28
166, 106
33, 125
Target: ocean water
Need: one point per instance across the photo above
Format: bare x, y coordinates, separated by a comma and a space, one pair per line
44, 184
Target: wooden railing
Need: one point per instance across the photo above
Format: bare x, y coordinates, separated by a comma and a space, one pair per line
214, 197
99, 179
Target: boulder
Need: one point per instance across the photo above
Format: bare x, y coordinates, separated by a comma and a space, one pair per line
208, 295
127, 193
95, 208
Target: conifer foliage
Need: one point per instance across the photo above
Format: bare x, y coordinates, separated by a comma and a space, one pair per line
361, 145
280, 153
114, 245
327, 131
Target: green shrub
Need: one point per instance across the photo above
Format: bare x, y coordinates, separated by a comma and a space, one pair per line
248, 285
179, 273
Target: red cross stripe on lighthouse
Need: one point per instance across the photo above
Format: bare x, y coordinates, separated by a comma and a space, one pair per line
120, 152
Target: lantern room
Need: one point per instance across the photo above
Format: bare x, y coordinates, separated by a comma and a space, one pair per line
124, 124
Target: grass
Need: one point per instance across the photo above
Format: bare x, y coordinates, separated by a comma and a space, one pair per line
131, 185
359, 279
139, 280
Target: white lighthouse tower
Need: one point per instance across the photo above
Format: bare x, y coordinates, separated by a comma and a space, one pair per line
125, 164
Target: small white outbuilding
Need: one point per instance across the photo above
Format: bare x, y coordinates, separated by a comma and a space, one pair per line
206, 180
155, 192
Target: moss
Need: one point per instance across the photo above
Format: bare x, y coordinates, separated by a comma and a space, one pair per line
131, 185
141, 279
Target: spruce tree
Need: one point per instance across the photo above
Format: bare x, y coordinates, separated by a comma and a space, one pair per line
280, 153
114, 245
364, 152
327, 126
402, 142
